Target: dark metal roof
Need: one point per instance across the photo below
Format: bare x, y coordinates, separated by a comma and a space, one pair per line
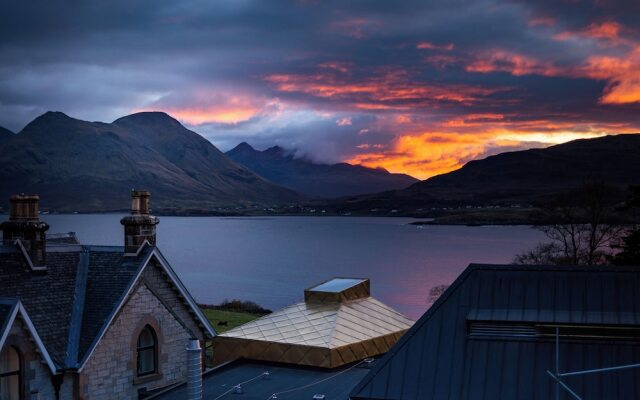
335, 384
439, 359
70, 302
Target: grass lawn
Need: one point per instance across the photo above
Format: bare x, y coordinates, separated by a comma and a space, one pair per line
233, 318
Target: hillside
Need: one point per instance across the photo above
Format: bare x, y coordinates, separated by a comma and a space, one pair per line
91, 166
317, 180
519, 177
5, 134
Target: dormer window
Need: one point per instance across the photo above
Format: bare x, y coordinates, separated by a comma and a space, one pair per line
147, 351
10, 374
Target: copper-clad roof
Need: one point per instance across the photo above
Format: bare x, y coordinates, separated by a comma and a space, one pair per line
337, 324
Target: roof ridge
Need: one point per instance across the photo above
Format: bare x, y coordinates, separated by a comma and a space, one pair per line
77, 310
5, 324
544, 267
417, 326
348, 309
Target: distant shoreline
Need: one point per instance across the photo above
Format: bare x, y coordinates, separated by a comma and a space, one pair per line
452, 219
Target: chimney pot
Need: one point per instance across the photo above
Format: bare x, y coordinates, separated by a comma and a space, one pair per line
24, 207
140, 202
24, 224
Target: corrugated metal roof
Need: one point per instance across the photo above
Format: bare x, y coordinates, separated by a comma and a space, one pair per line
438, 359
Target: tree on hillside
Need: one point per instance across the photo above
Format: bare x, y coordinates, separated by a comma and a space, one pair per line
580, 225
629, 245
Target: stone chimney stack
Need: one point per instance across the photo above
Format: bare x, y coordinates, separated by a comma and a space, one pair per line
24, 224
139, 226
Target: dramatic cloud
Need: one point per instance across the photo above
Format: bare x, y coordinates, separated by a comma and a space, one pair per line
414, 86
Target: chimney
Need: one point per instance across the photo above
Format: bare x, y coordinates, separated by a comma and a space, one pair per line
139, 227
194, 370
24, 224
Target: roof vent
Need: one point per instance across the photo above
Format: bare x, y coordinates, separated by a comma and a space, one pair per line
489, 329
194, 370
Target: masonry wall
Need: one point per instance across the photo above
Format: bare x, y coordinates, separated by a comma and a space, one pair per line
110, 373
156, 280
36, 375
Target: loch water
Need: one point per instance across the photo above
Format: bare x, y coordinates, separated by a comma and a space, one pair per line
271, 260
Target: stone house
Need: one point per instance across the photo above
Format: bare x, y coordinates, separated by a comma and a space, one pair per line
91, 322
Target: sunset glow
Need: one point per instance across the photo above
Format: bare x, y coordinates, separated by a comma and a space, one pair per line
419, 88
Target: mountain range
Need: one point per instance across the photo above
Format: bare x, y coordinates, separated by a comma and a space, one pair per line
313, 179
519, 177
83, 166
91, 166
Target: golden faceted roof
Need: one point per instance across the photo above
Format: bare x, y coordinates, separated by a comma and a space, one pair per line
336, 316
325, 325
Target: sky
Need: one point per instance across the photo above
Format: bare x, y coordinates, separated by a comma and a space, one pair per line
413, 86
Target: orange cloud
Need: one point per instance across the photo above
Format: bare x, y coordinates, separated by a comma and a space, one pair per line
425, 154
390, 89
605, 30
608, 31
223, 115
343, 67
515, 64
204, 107
621, 72
449, 145
432, 46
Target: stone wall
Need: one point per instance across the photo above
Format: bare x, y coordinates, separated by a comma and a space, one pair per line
110, 372
36, 375
157, 281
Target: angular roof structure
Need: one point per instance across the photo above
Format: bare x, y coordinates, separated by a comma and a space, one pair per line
338, 323
491, 335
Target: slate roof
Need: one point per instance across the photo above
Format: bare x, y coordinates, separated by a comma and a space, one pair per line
62, 238
70, 302
442, 358
334, 384
6, 309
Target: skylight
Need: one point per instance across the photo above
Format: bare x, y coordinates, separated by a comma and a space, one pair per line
337, 285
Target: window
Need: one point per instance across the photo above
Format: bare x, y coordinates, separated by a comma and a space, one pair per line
10, 374
147, 351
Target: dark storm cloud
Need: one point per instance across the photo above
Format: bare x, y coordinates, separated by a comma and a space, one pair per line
334, 79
